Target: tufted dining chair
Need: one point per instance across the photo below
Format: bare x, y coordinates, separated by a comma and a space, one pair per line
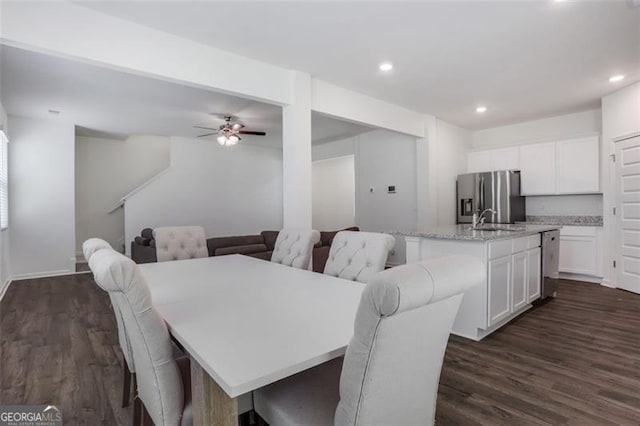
294, 247
357, 256
89, 247
180, 242
390, 373
163, 382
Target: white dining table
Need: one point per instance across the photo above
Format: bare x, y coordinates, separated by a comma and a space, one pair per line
246, 323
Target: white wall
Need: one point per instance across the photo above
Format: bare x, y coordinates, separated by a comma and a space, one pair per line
362, 109
339, 148
452, 145
41, 197
333, 183
227, 190
106, 170
548, 129
5, 270
382, 158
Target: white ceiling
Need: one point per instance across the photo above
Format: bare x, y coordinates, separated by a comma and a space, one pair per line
522, 59
109, 103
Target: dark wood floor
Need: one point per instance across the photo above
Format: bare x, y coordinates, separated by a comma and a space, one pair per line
575, 360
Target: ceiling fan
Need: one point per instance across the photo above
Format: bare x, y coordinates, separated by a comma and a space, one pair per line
229, 132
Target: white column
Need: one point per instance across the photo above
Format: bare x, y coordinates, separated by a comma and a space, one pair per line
296, 153
427, 184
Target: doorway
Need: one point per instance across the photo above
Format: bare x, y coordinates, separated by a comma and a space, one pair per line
627, 187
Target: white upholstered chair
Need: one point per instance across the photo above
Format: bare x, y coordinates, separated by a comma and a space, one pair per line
357, 256
391, 370
159, 378
294, 247
89, 247
180, 242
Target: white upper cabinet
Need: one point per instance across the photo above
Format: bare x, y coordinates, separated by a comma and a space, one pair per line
479, 161
538, 169
504, 159
578, 166
569, 166
493, 159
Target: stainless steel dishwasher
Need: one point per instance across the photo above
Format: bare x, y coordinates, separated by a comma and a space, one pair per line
550, 258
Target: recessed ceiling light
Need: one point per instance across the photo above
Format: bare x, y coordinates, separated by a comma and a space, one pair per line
385, 66
616, 78
481, 109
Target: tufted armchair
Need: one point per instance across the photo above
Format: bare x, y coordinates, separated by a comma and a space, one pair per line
294, 246
180, 242
357, 256
390, 373
163, 382
89, 248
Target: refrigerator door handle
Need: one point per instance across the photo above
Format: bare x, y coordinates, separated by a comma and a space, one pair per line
481, 194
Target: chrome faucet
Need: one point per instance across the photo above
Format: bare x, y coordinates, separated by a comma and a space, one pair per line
478, 219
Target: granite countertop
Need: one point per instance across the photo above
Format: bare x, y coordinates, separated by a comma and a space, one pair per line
465, 233
564, 220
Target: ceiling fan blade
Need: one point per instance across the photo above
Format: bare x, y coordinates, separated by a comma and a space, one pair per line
208, 134
206, 128
248, 132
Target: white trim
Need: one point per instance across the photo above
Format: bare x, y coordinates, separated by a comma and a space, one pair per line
45, 274
580, 277
117, 206
138, 188
625, 137
607, 283
334, 158
4, 289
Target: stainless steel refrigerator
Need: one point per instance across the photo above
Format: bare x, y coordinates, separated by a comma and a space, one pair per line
499, 190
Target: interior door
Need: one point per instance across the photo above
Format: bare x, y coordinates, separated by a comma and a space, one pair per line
627, 168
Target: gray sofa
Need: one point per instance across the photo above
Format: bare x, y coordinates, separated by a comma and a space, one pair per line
143, 247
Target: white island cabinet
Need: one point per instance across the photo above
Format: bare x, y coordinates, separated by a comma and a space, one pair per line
513, 274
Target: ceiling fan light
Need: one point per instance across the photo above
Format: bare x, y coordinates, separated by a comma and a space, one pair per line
237, 126
234, 139
222, 140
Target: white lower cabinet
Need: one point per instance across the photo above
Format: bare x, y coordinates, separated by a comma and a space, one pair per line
512, 279
534, 274
581, 250
519, 280
499, 279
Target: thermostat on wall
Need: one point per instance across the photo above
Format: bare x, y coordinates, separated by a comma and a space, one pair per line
391, 189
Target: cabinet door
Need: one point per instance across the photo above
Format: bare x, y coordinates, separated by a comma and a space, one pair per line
578, 166
504, 159
499, 280
534, 271
479, 161
538, 169
578, 255
519, 280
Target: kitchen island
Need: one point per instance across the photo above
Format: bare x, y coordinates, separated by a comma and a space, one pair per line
512, 255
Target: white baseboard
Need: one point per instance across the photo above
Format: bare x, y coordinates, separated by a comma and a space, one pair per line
580, 277
607, 283
44, 274
4, 288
